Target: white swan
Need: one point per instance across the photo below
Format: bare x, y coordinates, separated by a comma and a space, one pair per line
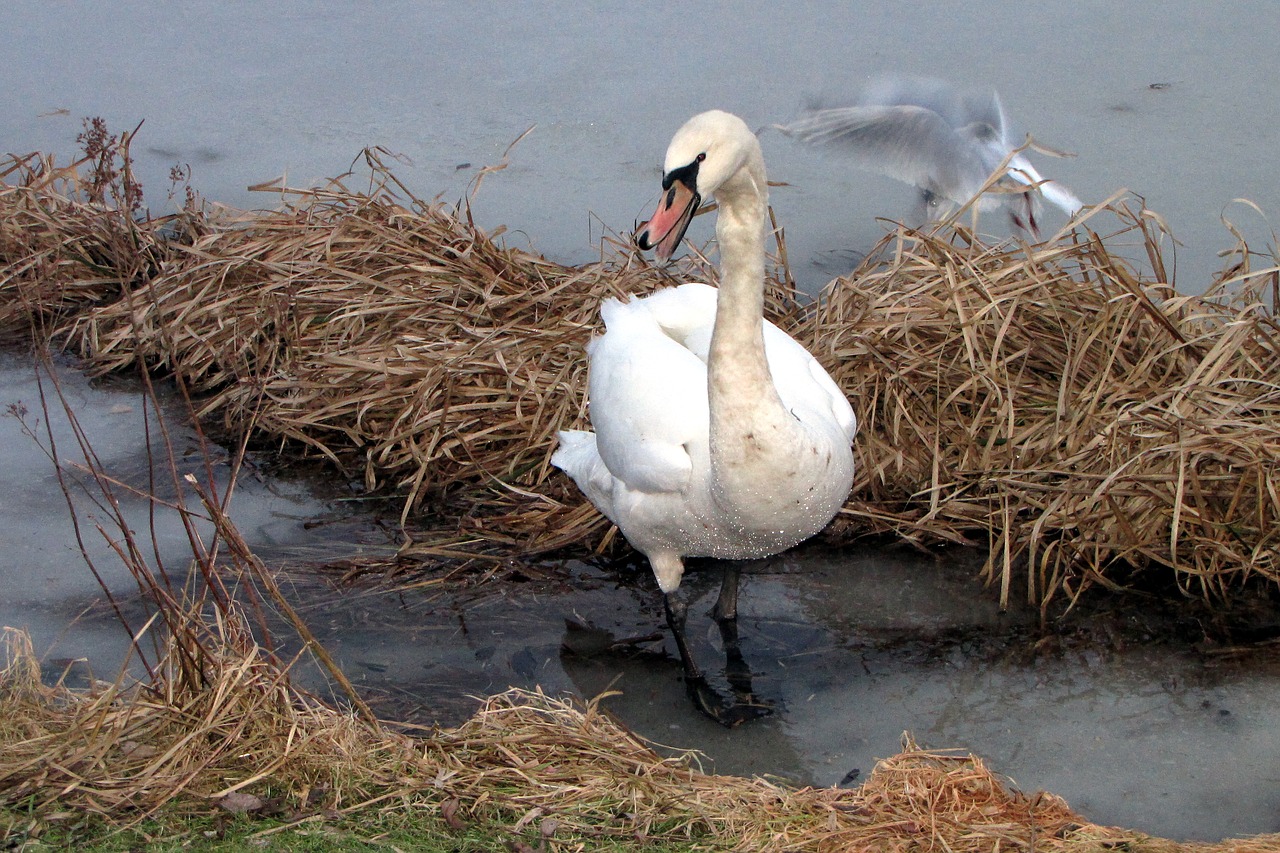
716, 434
945, 141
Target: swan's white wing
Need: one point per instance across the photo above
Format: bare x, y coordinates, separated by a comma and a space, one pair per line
648, 400
686, 313
909, 143
804, 386
834, 398
648, 393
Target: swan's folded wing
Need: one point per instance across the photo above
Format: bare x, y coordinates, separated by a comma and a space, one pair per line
841, 410
648, 403
804, 385
686, 314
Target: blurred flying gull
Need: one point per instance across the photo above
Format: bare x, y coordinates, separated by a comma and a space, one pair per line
943, 140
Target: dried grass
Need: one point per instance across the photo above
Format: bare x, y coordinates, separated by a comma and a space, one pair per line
1048, 400
218, 716
1082, 416
526, 761
62, 250
399, 342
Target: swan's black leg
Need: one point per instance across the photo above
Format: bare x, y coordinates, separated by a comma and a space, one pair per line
708, 701
726, 615
727, 603
735, 665
736, 669
677, 612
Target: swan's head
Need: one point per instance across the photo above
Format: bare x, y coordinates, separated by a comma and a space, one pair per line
712, 150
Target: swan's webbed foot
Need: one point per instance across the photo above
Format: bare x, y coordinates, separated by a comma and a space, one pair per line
711, 703
743, 706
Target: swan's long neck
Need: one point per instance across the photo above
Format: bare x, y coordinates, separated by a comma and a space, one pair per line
736, 362
748, 420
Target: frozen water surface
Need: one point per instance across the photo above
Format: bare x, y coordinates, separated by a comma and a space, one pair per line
1131, 722
45, 584
1177, 104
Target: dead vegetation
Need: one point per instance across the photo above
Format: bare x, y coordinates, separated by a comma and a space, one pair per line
540, 767
211, 720
1073, 414
1048, 400
1044, 398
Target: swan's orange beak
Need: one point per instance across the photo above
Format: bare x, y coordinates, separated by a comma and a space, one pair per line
664, 231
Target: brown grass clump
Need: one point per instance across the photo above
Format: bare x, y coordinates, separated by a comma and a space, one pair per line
379, 331
215, 722
68, 239
1081, 415
122, 752
391, 337
525, 761
398, 341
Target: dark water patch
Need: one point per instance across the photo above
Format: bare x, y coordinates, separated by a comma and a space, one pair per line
1129, 708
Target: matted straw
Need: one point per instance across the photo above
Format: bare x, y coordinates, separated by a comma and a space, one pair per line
1082, 416
224, 719
63, 247
535, 764
1048, 400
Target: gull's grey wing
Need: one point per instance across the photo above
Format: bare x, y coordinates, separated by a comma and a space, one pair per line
909, 143
958, 107
985, 108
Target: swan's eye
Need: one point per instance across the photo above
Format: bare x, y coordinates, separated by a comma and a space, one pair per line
702, 157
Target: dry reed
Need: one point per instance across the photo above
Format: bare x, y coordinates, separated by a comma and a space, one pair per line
526, 762
217, 723
1077, 416
217, 716
1081, 415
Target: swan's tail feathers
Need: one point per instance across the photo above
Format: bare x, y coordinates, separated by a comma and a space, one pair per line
577, 449
610, 308
578, 457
